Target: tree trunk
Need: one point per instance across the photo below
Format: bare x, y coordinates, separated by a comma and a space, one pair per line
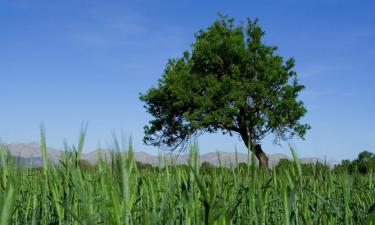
261, 156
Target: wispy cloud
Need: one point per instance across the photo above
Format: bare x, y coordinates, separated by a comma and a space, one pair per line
318, 70
127, 31
322, 93
108, 31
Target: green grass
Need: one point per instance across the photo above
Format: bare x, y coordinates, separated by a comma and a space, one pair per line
121, 193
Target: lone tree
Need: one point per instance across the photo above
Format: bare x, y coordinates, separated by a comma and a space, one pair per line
230, 82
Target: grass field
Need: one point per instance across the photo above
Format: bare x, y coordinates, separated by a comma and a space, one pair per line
122, 193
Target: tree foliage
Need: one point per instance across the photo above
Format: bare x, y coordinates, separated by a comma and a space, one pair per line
230, 82
364, 163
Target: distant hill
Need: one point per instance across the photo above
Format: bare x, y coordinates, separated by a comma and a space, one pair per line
214, 158
31, 150
27, 152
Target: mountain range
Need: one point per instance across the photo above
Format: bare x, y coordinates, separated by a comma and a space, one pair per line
27, 153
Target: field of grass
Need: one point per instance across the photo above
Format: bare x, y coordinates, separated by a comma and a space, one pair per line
122, 193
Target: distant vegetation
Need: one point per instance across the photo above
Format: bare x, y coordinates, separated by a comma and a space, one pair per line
365, 163
125, 192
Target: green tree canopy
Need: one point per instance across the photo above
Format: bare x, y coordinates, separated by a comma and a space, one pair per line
364, 163
230, 82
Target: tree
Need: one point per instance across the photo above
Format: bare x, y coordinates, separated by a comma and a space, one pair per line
230, 82
365, 156
345, 166
364, 163
206, 167
284, 164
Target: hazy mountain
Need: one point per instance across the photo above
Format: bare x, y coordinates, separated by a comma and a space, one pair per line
143, 157
27, 152
33, 161
313, 160
31, 150
214, 158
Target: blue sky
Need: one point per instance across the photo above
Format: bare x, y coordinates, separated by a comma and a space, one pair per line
64, 62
